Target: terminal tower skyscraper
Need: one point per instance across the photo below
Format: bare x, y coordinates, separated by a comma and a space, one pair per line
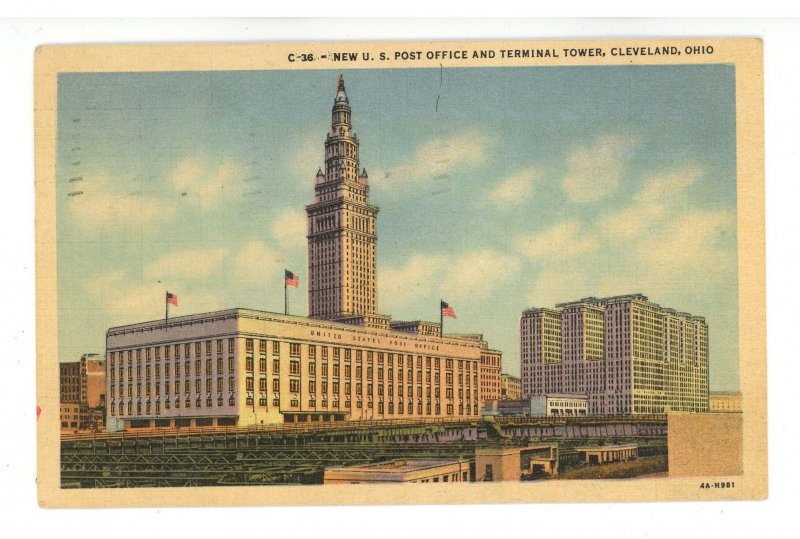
342, 280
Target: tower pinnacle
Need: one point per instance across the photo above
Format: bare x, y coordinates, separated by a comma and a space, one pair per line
341, 95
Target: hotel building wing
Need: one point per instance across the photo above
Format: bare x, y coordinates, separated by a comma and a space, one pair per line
628, 354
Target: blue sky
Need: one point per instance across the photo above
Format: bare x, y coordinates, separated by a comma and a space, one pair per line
499, 188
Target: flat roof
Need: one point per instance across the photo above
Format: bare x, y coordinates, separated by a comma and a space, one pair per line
494, 451
317, 323
606, 447
397, 466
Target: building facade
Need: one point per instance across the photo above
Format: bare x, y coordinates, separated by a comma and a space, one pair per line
725, 401
628, 354
552, 405
490, 375
83, 384
400, 471
70, 414
70, 382
510, 387
559, 405
245, 367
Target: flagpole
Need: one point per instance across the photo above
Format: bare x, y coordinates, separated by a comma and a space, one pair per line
441, 318
285, 293
166, 311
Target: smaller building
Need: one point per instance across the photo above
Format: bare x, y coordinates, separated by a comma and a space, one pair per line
552, 405
505, 407
559, 404
607, 453
70, 382
490, 378
704, 445
515, 463
724, 401
400, 471
82, 385
417, 327
510, 387
70, 416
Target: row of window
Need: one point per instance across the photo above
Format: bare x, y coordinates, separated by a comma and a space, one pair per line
149, 408
170, 351
294, 351
186, 385
294, 387
148, 372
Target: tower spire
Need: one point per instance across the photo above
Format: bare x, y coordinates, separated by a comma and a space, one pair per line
341, 95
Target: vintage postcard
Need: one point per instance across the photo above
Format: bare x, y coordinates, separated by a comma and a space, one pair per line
405, 272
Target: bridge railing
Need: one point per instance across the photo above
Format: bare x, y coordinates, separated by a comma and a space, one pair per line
355, 425
282, 428
579, 420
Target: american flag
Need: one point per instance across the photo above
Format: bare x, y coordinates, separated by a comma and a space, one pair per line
447, 310
172, 298
291, 279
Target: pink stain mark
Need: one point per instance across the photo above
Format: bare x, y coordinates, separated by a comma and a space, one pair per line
38, 412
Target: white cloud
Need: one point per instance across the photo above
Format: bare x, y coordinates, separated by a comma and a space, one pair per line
186, 264
559, 284
438, 159
129, 299
631, 222
477, 273
514, 189
668, 187
308, 156
661, 245
101, 200
256, 263
660, 198
563, 241
121, 295
678, 260
289, 229
203, 183
595, 171
691, 245
418, 278
471, 275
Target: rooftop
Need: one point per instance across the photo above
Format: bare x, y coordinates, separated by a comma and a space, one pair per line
317, 323
396, 466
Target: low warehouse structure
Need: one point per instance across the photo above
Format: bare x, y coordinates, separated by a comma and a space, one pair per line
400, 471
514, 463
607, 453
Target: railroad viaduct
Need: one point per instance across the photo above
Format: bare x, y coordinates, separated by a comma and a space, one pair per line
292, 454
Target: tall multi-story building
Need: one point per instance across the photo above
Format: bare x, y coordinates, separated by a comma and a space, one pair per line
510, 387
491, 365
83, 389
342, 235
249, 367
628, 354
70, 382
